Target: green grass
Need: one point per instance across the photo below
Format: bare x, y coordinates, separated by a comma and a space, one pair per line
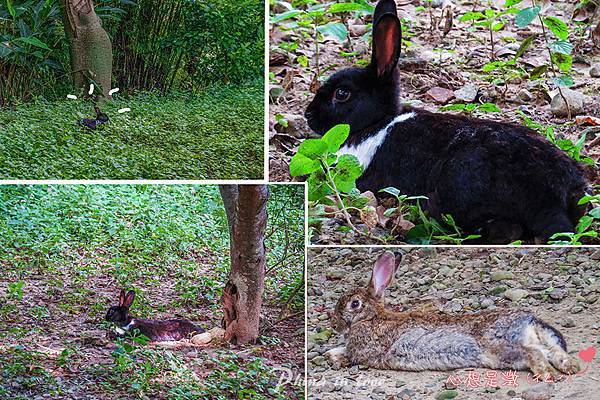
66, 250
215, 135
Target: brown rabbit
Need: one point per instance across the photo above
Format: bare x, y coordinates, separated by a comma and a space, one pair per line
156, 331
428, 340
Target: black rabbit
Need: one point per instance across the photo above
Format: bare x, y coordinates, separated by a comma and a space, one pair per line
500, 180
156, 331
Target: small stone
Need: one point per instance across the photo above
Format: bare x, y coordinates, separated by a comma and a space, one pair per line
596, 255
467, 93
501, 276
322, 336
320, 361
497, 290
568, 323
595, 71
558, 294
312, 355
487, 303
574, 98
541, 391
515, 294
440, 95
399, 384
525, 95
576, 309
447, 394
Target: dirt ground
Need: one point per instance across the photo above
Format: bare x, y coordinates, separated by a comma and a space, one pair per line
562, 287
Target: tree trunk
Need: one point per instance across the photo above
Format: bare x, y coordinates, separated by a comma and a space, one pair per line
91, 51
246, 209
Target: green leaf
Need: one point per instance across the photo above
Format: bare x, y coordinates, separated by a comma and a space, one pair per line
391, 190
595, 212
538, 71
302, 165
525, 44
563, 61
497, 26
510, 3
492, 66
336, 136
347, 170
471, 16
11, 9
561, 46
284, 16
34, 42
317, 186
488, 107
313, 148
526, 15
345, 7
564, 80
558, 27
336, 29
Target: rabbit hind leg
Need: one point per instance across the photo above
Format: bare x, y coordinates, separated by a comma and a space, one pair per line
557, 356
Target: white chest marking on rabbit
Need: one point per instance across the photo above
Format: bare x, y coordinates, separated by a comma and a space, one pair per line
365, 150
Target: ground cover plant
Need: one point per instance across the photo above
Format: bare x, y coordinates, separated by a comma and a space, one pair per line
67, 250
204, 136
194, 66
511, 61
557, 285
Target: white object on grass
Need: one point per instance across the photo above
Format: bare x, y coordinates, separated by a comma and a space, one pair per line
124, 110
71, 96
111, 91
91, 89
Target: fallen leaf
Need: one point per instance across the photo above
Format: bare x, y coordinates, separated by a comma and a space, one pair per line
587, 120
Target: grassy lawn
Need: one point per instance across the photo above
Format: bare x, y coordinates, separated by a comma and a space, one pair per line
215, 135
66, 250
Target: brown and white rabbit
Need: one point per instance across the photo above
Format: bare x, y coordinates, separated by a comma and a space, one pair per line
499, 180
426, 340
156, 331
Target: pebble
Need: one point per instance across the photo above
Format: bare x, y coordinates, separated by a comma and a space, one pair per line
515, 294
575, 100
595, 71
440, 95
577, 309
525, 95
541, 391
568, 323
487, 303
467, 93
558, 294
501, 276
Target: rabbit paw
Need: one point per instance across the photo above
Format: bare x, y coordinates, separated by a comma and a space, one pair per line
337, 355
566, 364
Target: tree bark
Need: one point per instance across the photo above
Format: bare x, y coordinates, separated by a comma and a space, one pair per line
246, 209
91, 51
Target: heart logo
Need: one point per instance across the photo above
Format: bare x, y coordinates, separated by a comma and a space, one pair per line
588, 354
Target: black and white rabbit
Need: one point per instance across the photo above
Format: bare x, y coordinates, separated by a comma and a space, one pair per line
501, 180
156, 331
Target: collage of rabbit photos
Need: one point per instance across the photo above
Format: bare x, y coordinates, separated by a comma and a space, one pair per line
299, 199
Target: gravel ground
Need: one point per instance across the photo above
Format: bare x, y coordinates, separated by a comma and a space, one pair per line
562, 286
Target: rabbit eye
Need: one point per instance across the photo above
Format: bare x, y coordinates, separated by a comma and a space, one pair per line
341, 95
355, 304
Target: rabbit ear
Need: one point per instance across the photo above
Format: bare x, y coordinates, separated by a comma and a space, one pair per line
387, 37
129, 299
383, 272
122, 297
